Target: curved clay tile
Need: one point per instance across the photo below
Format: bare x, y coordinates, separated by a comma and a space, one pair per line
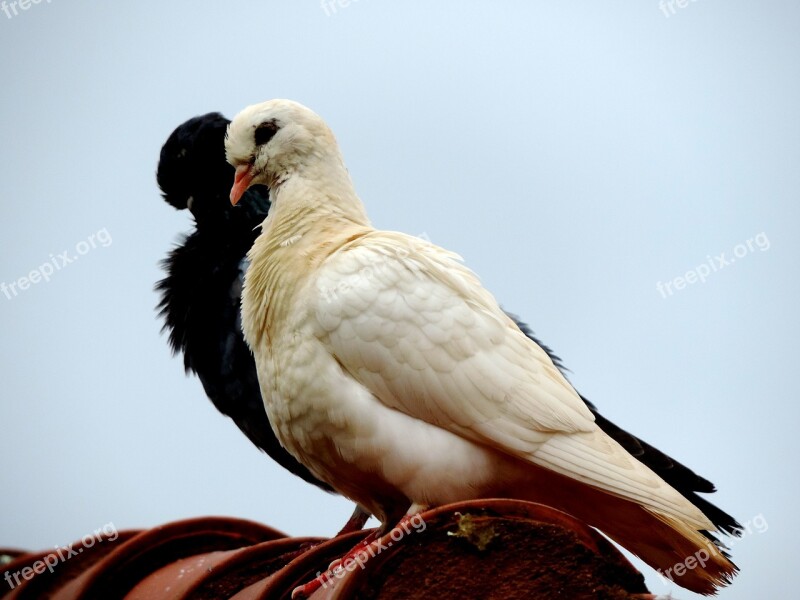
480, 549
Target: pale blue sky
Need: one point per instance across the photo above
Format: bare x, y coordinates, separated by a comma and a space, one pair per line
576, 154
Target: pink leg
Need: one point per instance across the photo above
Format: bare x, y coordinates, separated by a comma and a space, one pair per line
356, 522
370, 546
305, 590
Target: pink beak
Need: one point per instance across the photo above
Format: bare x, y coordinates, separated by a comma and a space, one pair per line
241, 181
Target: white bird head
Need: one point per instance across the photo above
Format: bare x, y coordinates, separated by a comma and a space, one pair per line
269, 142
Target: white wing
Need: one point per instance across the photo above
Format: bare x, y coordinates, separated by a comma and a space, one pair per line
414, 326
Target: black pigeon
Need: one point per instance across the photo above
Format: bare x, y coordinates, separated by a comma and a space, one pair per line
200, 296
201, 301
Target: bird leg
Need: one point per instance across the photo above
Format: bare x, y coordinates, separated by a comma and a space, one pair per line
370, 546
356, 521
334, 569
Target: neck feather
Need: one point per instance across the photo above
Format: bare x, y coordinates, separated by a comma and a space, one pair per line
322, 193
311, 217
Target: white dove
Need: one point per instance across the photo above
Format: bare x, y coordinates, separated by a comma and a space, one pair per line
394, 376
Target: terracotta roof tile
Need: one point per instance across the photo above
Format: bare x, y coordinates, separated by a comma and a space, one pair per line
481, 549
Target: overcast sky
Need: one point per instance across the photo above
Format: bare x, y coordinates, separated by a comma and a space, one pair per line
577, 154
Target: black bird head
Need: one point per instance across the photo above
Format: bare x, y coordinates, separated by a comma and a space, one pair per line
193, 173
201, 293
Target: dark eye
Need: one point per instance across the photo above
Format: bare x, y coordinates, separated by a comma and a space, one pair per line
265, 132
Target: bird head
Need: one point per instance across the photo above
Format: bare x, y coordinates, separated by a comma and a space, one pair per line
269, 142
193, 173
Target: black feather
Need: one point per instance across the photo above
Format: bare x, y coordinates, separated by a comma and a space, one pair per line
201, 294
265, 132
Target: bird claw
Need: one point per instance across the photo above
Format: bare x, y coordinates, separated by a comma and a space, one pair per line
369, 546
305, 590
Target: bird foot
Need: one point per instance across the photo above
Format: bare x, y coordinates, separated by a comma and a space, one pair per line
335, 569
370, 546
305, 590
356, 522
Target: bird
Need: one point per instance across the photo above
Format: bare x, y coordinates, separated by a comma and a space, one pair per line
392, 374
200, 295
193, 174
203, 286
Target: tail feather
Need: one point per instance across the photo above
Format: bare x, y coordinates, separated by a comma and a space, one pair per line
678, 551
